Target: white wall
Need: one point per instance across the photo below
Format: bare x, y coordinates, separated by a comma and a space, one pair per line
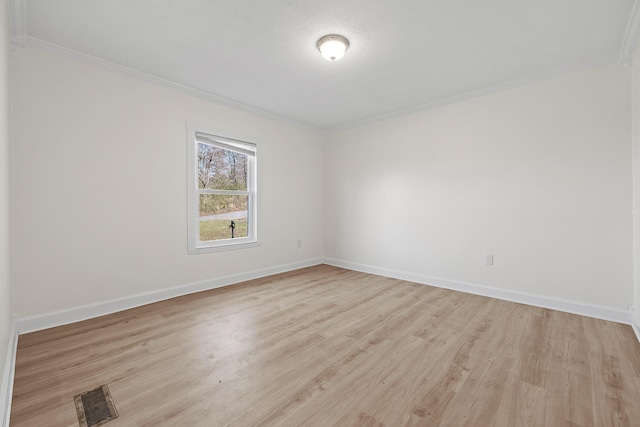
635, 119
539, 176
5, 289
99, 183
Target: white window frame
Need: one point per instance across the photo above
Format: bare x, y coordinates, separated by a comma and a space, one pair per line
195, 134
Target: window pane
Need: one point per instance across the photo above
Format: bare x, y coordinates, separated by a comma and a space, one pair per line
220, 169
217, 212
221, 191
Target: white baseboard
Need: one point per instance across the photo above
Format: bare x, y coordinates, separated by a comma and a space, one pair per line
76, 314
635, 321
599, 312
6, 392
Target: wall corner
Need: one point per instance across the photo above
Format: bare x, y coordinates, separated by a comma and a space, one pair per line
6, 387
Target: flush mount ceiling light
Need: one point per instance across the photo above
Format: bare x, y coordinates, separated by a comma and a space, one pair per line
333, 46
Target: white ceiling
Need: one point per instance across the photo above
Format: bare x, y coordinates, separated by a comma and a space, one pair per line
404, 54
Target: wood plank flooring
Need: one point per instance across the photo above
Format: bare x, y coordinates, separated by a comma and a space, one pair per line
324, 346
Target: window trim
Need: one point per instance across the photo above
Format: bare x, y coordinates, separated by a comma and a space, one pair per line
197, 133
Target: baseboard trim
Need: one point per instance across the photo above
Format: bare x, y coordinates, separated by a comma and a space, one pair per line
6, 393
635, 321
589, 310
76, 314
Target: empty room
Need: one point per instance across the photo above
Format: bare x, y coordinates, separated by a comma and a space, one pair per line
303, 213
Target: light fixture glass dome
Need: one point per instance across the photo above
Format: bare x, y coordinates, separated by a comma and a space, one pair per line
333, 46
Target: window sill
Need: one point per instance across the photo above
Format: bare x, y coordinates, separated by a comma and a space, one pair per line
224, 247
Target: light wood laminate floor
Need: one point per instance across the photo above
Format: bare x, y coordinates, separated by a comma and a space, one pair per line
324, 346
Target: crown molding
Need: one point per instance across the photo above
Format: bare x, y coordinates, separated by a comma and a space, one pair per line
631, 36
36, 43
17, 23
20, 40
583, 65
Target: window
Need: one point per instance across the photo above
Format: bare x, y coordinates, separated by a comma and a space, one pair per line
222, 191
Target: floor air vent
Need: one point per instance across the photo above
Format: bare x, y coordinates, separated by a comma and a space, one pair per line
95, 407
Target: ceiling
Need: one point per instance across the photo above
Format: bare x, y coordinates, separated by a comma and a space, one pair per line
404, 55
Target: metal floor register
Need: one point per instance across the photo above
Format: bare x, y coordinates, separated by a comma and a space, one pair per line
95, 407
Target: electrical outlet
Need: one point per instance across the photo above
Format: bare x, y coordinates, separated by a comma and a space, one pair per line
299, 243
488, 260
